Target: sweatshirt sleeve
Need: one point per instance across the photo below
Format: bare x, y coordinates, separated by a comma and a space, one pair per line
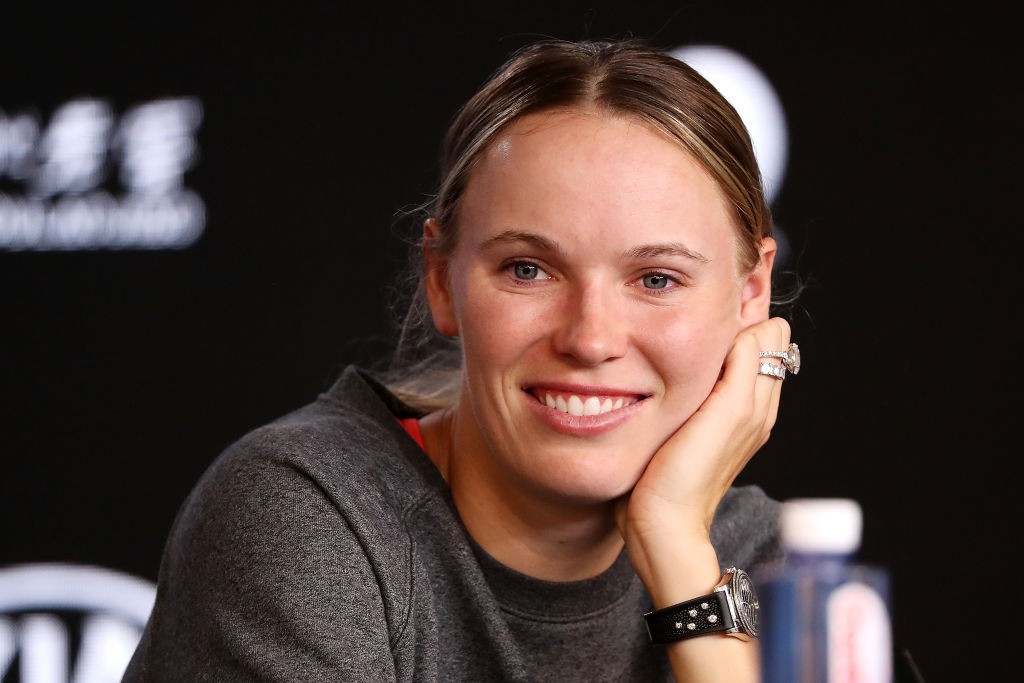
263, 578
745, 531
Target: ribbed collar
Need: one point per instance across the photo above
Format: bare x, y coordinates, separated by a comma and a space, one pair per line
541, 600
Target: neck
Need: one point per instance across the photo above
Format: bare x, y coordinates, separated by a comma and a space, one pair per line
529, 530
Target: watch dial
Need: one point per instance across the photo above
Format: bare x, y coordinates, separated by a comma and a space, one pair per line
746, 604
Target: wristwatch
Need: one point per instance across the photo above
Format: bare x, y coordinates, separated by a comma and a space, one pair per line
731, 609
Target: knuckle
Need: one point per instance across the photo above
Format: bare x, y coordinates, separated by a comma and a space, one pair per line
747, 336
782, 325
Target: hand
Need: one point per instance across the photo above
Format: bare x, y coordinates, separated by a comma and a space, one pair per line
669, 512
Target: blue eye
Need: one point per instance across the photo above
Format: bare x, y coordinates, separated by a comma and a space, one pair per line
526, 271
656, 281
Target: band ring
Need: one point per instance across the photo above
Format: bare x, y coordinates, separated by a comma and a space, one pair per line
790, 358
771, 370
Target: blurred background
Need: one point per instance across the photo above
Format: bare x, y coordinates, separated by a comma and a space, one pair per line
198, 230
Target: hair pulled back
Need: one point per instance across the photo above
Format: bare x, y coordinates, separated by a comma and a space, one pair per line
624, 78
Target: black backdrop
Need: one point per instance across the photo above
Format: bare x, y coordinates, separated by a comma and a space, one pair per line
125, 373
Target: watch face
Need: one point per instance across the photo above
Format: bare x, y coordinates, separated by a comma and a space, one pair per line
747, 607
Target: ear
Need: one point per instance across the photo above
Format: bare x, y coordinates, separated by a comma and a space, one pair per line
756, 297
435, 268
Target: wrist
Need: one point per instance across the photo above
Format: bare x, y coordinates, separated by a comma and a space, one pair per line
731, 608
678, 572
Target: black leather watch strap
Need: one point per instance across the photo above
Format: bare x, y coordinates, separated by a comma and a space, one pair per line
697, 617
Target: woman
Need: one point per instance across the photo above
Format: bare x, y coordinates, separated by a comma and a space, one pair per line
600, 252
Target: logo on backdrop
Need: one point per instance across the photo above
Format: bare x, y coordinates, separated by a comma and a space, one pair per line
67, 623
93, 180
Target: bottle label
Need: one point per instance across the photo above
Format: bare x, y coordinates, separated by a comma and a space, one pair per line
859, 636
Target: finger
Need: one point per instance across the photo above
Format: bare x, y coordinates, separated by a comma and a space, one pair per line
739, 379
744, 392
772, 335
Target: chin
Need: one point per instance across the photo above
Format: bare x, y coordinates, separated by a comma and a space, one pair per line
588, 486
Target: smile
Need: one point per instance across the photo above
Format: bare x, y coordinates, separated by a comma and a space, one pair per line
582, 404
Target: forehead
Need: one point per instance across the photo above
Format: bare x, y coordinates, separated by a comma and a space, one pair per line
593, 176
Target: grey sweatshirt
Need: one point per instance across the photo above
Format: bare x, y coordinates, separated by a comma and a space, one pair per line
325, 547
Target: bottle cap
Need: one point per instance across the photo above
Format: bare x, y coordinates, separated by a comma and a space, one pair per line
821, 525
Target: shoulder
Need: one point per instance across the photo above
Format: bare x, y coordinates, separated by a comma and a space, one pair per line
335, 478
292, 551
745, 531
347, 445
340, 467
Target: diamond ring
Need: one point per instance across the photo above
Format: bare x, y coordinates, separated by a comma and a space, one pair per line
790, 358
771, 370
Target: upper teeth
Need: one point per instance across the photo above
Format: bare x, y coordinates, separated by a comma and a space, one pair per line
574, 405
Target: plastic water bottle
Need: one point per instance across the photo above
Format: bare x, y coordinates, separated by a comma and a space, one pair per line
824, 618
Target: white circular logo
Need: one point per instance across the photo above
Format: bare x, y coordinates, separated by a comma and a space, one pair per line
46, 610
751, 93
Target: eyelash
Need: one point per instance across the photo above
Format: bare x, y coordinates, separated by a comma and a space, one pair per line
673, 282
510, 268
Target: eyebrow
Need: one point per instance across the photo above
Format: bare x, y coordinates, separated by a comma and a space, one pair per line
644, 251
531, 238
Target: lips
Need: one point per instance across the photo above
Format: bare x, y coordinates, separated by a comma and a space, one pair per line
580, 403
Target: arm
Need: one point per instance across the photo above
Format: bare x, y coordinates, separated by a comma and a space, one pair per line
666, 521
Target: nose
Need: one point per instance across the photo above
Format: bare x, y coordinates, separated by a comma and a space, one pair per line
593, 327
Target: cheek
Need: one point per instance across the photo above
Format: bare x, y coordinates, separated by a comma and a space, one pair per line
496, 327
690, 357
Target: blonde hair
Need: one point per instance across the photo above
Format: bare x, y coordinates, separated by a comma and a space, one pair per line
625, 78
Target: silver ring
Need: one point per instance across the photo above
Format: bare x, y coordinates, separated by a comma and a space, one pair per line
771, 370
790, 358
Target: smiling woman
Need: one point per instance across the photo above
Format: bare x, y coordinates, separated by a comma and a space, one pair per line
599, 255
596, 202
